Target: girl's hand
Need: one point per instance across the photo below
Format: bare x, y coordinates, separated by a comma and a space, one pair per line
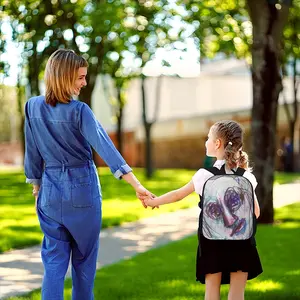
143, 193
149, 201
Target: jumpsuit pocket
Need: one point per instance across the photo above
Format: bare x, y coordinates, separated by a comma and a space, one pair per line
44, 200
81, 195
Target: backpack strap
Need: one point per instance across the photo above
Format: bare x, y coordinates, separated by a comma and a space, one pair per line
215, 170
239, 171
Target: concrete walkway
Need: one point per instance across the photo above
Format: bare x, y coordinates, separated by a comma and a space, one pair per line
21, 270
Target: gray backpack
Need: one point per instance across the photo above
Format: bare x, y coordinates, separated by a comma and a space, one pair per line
227, 205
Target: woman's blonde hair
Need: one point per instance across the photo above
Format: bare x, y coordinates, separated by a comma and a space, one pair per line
60, 75
231, 134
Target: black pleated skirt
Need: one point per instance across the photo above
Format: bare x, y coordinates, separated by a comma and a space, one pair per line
226, 257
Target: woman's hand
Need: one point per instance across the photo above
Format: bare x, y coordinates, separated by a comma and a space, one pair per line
142, 193
36, 208
35, 193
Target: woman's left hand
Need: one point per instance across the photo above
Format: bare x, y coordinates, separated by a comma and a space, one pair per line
36, 198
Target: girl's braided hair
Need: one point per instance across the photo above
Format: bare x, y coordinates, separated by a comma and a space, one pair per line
231, 134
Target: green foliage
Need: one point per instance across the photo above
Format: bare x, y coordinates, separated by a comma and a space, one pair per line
98, 30
168, 273
291, 34
221, 26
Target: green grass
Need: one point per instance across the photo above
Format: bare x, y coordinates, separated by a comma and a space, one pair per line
282, 178
168, 273
19, 225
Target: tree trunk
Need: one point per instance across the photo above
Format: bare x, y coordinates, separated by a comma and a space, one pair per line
147, 128
296, 114
86, 93
268, 23
20, 97
33, 74
120, 120
148, 161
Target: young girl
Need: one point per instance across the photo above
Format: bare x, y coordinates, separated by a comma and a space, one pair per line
221, 261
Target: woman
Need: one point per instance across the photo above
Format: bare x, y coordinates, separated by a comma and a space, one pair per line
59, 134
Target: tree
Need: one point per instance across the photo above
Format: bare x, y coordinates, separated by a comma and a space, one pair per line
44, 26
224, 26
39, 28
118, 101
151, 26
290, 60
268, 20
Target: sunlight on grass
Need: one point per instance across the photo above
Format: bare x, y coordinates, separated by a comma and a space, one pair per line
293, 272
19, 225
18, 221
265, 285
168, 272
281, 178
172, 284
289, 225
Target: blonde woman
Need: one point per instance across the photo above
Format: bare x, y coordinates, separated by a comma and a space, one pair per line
59, 134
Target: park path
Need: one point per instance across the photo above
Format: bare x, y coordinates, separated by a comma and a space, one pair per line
21, 270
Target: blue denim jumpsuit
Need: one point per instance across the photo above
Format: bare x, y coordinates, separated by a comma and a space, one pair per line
58, 157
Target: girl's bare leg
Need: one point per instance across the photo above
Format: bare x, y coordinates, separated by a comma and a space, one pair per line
212, 286
238, 282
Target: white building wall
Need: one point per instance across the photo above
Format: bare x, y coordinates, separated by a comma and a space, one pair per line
181, 99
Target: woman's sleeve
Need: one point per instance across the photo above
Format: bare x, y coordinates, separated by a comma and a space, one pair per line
97, 137
33, 162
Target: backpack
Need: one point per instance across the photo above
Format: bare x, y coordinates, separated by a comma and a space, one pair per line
227, 206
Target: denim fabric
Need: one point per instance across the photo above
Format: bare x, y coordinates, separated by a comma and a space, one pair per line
69, 211
58, 157
63, 135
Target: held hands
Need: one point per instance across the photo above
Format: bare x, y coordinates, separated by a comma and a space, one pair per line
149, 201
144, 194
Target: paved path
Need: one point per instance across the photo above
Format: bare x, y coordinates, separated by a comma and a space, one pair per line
21, 270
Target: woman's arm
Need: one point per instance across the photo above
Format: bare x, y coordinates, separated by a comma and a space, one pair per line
33, 161
98, 138
172, 196
141, 192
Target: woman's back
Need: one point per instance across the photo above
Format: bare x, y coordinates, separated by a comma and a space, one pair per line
57, 131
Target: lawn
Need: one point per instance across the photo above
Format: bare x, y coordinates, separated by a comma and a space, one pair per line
167, 273
19, 225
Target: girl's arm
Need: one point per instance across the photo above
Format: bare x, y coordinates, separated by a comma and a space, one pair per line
172, 196
256, 207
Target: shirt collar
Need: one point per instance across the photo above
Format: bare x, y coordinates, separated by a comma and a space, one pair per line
219, 163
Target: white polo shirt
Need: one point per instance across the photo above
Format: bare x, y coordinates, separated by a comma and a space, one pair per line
202, 175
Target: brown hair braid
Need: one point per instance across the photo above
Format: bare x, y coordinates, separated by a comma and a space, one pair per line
231, 134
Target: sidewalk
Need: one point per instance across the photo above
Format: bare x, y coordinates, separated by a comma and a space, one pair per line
21, 270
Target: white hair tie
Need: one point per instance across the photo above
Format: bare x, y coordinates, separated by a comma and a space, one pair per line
229, 143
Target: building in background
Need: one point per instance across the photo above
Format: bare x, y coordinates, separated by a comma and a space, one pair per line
187, 109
